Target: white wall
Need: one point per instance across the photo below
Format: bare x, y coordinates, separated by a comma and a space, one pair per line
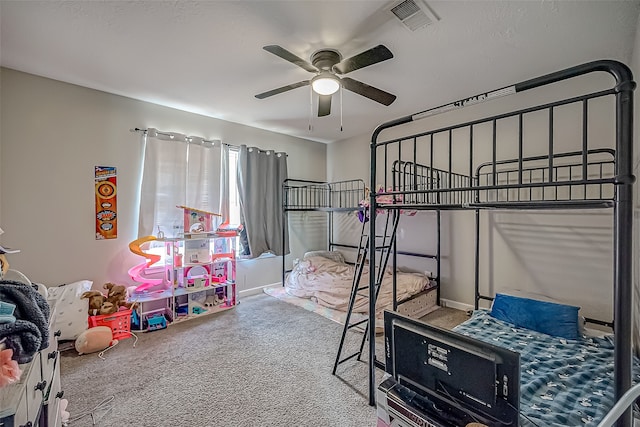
52, 136
564, 255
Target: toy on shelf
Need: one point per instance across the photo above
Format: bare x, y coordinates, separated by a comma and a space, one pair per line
198, 310
156, 321
197, 276
198, 221
136, 272
214, 300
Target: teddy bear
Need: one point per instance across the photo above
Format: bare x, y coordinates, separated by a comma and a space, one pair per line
117, 295
96, 299
98, 303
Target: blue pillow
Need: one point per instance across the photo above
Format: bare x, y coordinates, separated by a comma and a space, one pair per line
550, 318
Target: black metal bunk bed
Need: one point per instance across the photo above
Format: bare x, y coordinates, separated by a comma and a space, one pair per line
300, 195
346, 197
592, 177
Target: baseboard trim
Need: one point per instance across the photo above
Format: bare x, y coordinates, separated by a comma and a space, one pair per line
258, 290
455, 304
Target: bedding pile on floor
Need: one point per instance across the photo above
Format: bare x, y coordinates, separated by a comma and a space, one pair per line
328, 283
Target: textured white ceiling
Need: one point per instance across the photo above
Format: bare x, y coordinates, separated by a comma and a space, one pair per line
206, 57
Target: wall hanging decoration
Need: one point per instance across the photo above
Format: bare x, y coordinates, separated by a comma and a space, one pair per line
106, 203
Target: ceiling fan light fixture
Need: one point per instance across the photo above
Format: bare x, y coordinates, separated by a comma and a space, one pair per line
325, 84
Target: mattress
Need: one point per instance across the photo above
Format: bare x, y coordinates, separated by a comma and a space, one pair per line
563, 382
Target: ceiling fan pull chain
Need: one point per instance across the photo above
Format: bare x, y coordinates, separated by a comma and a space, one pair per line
340, 108
310, 106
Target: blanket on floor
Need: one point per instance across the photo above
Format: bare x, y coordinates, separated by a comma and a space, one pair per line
329, 283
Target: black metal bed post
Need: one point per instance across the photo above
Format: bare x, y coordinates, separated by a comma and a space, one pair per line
284, 226
372, 254
438, 262
623, 242
330, 219
477, 262
372, 277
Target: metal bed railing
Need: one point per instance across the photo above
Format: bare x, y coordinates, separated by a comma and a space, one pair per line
477, 169
414, 157
303, 195
514, 182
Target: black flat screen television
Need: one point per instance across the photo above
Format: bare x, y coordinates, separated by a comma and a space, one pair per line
458, 376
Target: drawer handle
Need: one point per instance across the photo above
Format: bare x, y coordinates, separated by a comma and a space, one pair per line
41, 385
60, 394
52, 355
57, 333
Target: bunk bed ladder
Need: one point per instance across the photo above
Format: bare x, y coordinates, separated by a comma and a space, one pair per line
384, 245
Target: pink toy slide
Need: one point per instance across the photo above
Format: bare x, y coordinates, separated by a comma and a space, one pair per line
136, 272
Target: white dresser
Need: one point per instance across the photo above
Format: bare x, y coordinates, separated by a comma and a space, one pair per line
35, 399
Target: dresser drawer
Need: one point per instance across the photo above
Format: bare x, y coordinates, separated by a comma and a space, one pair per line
34, 389
49, 356
52, 405
49, 361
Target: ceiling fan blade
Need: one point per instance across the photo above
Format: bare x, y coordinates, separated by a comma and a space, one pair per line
324, 105
269, 93
370, 92
288, 56
368, 57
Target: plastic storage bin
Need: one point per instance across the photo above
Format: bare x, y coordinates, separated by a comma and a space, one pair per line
120, 323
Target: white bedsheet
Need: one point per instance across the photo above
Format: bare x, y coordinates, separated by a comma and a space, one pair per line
329, 284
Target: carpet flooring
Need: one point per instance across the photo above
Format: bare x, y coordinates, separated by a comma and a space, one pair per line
264, 363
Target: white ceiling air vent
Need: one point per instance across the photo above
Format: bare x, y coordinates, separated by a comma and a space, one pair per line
414, 14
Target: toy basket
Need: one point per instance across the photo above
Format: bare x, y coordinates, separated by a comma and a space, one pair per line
120, 323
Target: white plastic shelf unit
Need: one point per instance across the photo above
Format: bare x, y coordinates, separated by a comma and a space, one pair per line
200, 279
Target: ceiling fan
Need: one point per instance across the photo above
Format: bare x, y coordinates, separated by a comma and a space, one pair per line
327, 64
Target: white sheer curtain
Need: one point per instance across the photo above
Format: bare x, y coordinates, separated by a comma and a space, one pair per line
177, 170
260, 177
225, 192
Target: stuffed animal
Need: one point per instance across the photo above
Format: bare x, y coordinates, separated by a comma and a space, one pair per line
108, 308
94, 339
117, 296
96, 299
4, 265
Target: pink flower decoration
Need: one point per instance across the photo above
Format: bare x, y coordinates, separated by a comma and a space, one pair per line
9, 370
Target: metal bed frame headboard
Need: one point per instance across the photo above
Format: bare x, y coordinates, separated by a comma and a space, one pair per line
592, 177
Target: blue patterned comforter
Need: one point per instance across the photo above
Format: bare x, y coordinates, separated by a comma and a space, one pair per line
563, 382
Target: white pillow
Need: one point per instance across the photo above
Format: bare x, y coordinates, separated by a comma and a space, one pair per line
71, 312
332, 255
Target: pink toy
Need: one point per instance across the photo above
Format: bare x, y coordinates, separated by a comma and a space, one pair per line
197, 220
136, 272
9, 370
64, 414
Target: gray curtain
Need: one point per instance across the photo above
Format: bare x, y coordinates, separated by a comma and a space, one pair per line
260, 177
